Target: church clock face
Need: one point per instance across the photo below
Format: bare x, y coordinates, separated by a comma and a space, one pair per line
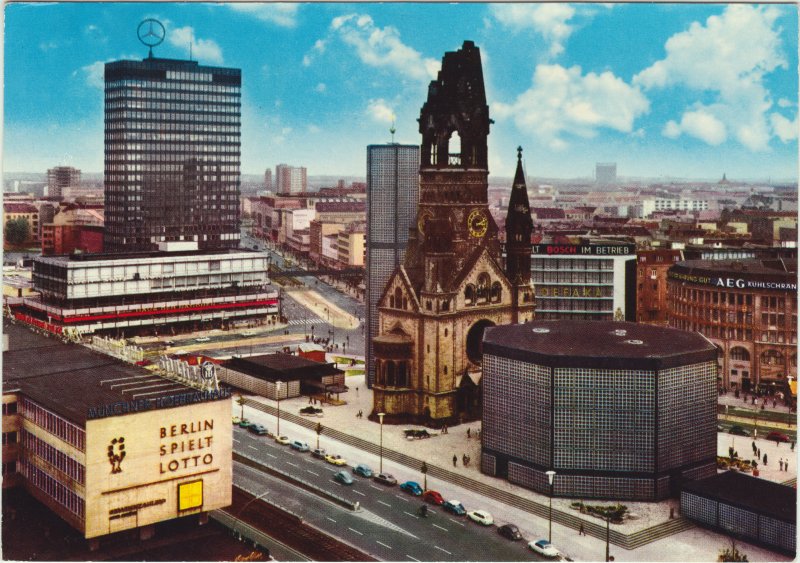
477, 223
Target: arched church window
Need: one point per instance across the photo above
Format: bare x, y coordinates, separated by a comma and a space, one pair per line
497, 292
398, 297
482, 291
390, 374
469, 294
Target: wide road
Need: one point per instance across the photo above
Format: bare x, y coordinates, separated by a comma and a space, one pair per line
386, 526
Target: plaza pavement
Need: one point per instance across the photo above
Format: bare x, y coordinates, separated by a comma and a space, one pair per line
695, 544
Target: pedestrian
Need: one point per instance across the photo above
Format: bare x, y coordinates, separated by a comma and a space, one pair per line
754, 446
356, 390
774, 403
786, 465
455, 460
792, 445
758, 452
581, 531
780, 464
467, 432
464, 459
765, 459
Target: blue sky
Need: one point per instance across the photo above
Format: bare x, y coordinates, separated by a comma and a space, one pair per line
681, 90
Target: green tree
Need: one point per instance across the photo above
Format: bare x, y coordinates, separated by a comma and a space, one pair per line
732, 553
241, 401
17, 231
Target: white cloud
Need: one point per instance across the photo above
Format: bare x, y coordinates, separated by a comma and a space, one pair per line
48, 45
205, 50
727, 56
671, 130
314, 129
549, 20
95, 74
280, 14
382, 47
699, 124
317, 49
379, 110
321, 88
784, 103
562, 101
785, 130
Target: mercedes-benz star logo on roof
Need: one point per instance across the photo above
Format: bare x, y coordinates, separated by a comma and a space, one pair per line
151, 32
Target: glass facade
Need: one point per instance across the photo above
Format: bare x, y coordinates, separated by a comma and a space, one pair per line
392, 197
172, 154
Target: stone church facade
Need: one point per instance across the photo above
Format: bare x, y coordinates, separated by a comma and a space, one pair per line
452, 284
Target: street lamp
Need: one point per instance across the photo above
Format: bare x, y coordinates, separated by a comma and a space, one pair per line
278, 398
380, 416
424, 470
550, 475
608, 520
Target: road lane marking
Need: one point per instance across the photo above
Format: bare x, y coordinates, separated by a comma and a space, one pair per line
376, 488
270, 455
412, 515
442, 549
292, 464
252, 447
385, 503
237, 441
359, 493
331, 519
413, 559
445, 529
317, 474
459, 523
383, 544
356, 531
401, 498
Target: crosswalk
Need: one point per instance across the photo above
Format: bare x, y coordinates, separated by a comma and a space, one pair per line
308, 322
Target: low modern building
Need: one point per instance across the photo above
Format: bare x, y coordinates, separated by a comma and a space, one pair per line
746, 507
150, 291
618, 410
592, 280
282, 376
106, 445
748, 309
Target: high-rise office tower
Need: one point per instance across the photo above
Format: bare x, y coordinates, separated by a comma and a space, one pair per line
268, 179
290, 179
62, 177
392, 197
172, 154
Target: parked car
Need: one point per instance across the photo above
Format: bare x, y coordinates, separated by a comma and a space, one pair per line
544, 547
282, 440
433, 497
299, 446
776, 436
363, 470
343, 477
249, 333
236, 420
509, 531
244, 423
481, 517
386, 479
202, 339
257, 429
335, 459
412, 488
455, 507
738, 431
319, 452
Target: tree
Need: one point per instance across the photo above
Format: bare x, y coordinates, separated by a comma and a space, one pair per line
241, 401
732, 553
17, 231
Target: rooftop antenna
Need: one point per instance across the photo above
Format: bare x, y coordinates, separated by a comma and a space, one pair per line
392, 129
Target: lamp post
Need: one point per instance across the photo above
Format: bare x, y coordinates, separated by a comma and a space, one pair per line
550, 475
380, 466
318, 430
424, 470
608, 520
278, 398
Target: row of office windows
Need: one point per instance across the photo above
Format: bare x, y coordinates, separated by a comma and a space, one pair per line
133, 126
117, 118
52, 488
33, 446
132, 86
53, 423
579, 264
162, 137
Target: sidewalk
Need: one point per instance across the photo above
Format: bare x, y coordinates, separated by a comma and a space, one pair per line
439, 449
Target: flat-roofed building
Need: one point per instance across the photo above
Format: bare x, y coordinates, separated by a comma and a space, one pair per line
106, 445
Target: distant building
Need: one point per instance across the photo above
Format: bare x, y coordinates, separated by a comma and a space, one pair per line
651, 278
392, 197
593, 280
290, 179
68, 239
606, 173
62, 177
621, 411
268, 179
172, 154
748, 309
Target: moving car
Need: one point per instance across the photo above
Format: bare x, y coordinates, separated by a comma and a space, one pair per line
202, 339
412, 488
509, 531
257, 429
386, 479
544, 547
249, 333
282, 440
455, 507
343, 477
776, 436
299, 446
319, 452
738, 431
432, 497
363, 470
244, 423
335, 459
481, 517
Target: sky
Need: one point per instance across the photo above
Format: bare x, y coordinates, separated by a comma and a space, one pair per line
663, 90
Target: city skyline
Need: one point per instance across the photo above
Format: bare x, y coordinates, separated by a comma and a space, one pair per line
662, 90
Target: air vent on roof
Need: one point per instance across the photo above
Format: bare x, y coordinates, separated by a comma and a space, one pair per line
541, 330
637, 342
619, 332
